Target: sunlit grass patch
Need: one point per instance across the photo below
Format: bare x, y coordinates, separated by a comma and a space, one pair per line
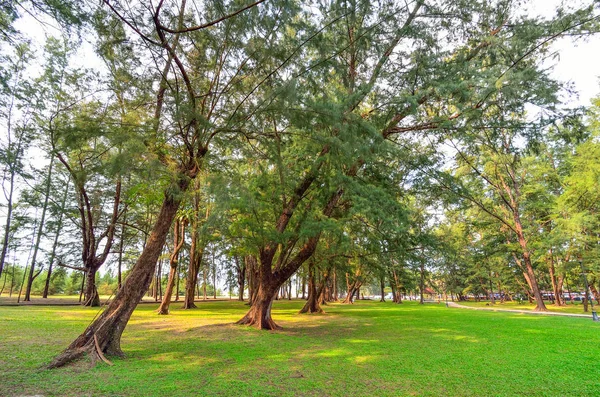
368, 348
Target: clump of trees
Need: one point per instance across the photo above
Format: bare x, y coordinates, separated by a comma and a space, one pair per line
274, 147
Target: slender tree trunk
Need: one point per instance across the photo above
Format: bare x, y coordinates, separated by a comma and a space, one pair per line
40, 230
4, 284
166, 301
241, 277
9, 210
335, 286
157, 281
382, 284
82, 287
204, 283
558, 301
492, 297
56, 236
303, 287
421, 281
560, 282
178, 241
121, 243
214, 276
12, 281
193, 267
252, 266
104, 333
178, 271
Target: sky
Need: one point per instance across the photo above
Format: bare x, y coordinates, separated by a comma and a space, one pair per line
578, 61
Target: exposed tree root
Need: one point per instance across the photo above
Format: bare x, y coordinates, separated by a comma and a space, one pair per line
254, 319
99, 352
266, 324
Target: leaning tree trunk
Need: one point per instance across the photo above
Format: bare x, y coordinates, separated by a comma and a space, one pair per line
352, 291
103, 335
178, 241
539, 301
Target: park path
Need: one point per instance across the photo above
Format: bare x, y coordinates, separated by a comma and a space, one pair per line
494, 309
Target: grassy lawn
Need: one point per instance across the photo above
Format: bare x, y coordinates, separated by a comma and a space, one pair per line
366, 349
576, 308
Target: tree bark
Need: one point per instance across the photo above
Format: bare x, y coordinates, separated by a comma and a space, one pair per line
178, 241
312, 305
241, 277
421, 281
56, 236
121, 243
40, 230
107, 329
259, 314
558, 300
90, 295
193, 268
252, 268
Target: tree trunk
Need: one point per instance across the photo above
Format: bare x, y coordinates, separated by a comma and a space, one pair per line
252, 266
421, 282
270, 281
177, 272
558, 301
595, 292
193, 268
105, 332
214, 276
382, 284
492, 297
164, 305
303, 287
259, 314
40, 230
312, 305
335, 287
121, 243
353, 290
90, 295
9, 210
241, 277
560, 280
55, 243
540, 306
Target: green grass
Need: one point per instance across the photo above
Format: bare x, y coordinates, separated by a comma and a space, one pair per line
576, 308
366, 349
